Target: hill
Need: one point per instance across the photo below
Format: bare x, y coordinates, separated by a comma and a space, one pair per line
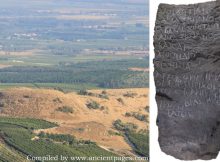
87, 115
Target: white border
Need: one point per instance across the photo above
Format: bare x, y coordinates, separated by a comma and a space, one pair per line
156, 155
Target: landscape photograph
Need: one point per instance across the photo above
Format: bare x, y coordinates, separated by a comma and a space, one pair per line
74, 80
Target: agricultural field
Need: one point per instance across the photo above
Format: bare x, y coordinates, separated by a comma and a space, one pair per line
61, 62
18, 134
103, 74
8, 155
72, 113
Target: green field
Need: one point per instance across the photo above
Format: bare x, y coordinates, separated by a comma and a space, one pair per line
45, 59
17, 134
140, 147
102, 74
139, 140
43, 48
7, 155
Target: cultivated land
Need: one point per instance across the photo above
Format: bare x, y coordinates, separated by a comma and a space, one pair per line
73, 78
82, 122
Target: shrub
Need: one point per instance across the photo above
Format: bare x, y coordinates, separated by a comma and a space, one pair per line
57, 100
113, 133
59, 89
120, 100
127, 114
65, 109
83, 92
147, 109
103, 96
104, 92
42, 134
26, 96
145, 95
93, 105
57, 137
81, 129
86, 142
128, 94
131, 127
136, 115
119, 125
102, 108
140, 117
86, 93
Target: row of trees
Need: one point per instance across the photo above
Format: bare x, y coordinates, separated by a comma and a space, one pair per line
102, 74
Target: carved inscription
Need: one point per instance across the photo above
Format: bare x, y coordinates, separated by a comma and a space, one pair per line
187, 79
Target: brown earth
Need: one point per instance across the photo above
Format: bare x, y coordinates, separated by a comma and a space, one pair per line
84, 123
139, 69
4, 66
23, 53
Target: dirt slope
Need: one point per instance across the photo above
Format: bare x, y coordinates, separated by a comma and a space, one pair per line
84, 123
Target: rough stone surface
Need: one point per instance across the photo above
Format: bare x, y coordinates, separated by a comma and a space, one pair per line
187, 78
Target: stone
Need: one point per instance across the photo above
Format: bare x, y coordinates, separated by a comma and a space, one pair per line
187, 79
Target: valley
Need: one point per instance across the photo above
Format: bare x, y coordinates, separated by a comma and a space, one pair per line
74, 79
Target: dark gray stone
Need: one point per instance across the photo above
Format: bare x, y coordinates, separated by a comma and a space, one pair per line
187, 79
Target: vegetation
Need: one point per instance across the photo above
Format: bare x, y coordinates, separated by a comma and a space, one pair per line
27, 123
59, 89
139, 140
17, 134
8, 155
121, 101
113, 133
86, 93
137, 115
65, 109
128, 94
147, 109
57, 137
65, 37
104, 92
64, 139
140, 147
104, 96
43, 47
57, 100
104, 74
119, 125
93, 105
